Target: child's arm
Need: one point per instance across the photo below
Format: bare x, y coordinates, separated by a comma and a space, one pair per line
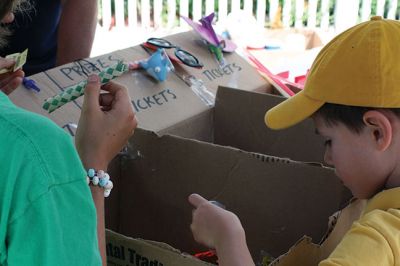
220, 229
106, 123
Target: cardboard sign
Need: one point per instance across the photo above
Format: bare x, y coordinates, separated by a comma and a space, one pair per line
236, 74
160, 106
157, 105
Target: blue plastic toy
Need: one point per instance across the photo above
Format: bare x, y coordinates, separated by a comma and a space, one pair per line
157, 65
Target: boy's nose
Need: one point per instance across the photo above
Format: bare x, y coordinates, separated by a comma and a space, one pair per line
8, 18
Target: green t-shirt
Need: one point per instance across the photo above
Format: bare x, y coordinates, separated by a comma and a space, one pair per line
47, 215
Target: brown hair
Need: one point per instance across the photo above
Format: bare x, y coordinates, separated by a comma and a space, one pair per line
350, 116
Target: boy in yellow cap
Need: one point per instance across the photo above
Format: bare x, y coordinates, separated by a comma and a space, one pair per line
353, 96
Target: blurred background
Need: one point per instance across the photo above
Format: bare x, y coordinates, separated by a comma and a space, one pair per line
125, 23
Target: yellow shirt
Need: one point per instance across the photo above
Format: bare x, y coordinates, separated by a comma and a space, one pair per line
375, 238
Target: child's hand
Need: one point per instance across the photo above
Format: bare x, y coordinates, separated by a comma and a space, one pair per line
220, 229
213, 226
106, 123
11, 80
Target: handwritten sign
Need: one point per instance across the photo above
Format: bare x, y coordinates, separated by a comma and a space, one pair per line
216, 73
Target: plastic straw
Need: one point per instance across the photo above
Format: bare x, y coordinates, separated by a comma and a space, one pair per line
75, 91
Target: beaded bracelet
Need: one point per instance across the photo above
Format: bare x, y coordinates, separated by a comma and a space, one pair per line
101, 179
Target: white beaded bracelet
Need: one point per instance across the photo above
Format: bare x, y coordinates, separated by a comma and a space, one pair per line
101, 179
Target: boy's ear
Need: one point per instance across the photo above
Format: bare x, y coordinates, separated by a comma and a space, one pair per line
380, 128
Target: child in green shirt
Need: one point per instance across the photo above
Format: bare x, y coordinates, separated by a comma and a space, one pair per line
49, 215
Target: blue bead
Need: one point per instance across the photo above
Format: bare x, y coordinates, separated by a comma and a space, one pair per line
91, 173
103, 182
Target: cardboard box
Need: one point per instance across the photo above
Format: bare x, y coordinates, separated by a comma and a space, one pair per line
239, 122
282, 201
238, 117
122, 250
154, 179
307, 253
160, 107
126, 251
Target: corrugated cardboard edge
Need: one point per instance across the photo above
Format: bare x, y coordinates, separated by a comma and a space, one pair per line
197, 127
307, 253
152, 139
304, 252
233, 105
161, 252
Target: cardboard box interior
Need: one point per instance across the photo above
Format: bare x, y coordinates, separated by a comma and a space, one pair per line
155, 178
281, 203
239, 122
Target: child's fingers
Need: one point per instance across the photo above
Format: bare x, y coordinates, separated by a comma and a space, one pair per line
11, 85
92, 93
6, 63
5, 79
121, 100
113, 87
106, 99
196, 200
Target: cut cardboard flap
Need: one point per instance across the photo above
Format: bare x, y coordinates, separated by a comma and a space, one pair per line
239, 118
306, 253
277, 207
126, 251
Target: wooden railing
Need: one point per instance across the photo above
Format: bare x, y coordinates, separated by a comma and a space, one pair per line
324, 14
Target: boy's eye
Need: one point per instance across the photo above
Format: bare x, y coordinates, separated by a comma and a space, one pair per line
327, 142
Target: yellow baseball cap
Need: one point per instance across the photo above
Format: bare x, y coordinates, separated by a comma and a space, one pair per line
359, 67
